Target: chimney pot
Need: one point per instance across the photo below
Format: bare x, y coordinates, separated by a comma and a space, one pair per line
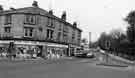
12, 8
51, 12
35, 4
1, 8
75, 24
64, 15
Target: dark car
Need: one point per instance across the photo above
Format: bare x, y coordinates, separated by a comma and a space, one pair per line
85, 55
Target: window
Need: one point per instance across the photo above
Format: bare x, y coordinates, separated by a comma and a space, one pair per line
79, 40
30, 19
7, 29
28, 32
59, 36
40, 29
60, 26
73, 35
31, 32
8, 19
49, 34
65, 29
79, 37
65, 37
50, 22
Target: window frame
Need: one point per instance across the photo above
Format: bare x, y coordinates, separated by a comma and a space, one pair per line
29, 31
59, 36
7, 29
8, 19
30, 19
50, 22
50, 34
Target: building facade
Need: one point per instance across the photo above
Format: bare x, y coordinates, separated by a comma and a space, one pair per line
38, 31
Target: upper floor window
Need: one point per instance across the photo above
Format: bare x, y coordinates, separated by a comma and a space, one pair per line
59, 36
60, 26
50, 22
49, 34
28, 32
30, 19
65, 29
8, 19
40, 29
79, 39
65, 37
73, 35
7, 29
79, 34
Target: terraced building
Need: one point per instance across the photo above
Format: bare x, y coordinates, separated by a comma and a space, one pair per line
35, 30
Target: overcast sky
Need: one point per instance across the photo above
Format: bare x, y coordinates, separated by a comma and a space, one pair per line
93, 16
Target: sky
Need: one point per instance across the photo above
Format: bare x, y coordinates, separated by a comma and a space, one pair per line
95, 16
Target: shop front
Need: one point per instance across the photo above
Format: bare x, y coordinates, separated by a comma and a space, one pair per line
22, 49
34, 49
73, 49
56, 51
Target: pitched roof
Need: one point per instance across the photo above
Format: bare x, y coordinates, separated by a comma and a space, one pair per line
36, 10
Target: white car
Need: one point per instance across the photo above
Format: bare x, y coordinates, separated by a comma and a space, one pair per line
90, 54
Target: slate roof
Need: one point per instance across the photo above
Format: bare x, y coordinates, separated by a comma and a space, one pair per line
35, 10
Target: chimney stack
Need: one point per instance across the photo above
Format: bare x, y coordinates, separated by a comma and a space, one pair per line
1, 8
35, 4
75, 24
12, 8
51, 12
63, 17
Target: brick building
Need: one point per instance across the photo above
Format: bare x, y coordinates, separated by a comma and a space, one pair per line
33, 28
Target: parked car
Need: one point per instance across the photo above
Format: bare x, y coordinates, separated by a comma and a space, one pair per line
90, 55
85, 55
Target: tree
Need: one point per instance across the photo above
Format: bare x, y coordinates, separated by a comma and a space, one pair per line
117, 34
130, 19
102, 40
112, 40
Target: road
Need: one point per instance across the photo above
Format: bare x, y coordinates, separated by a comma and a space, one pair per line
73, 68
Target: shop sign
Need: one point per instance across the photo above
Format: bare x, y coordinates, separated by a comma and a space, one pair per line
40, 43
25, 42
74, 46
57, 45
6, 41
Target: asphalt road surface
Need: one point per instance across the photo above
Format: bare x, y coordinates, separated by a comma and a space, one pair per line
79, 68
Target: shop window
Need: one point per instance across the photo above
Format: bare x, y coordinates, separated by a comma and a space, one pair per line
28, 32
30, 19
7, 29
8, 19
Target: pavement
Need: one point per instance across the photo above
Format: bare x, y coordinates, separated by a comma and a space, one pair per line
114, 61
